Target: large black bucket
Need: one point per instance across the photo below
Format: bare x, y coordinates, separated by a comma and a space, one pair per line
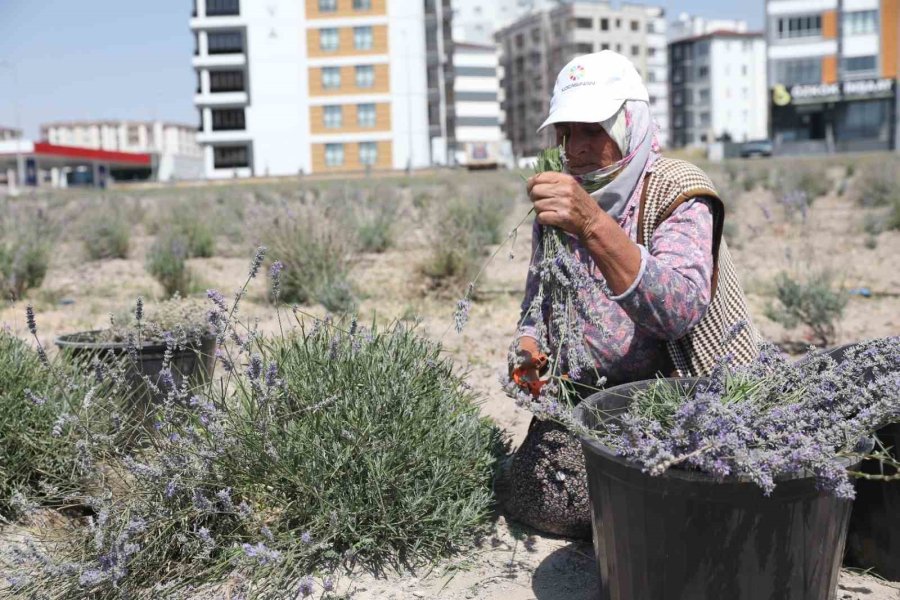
873, 540
194, 363
683, 535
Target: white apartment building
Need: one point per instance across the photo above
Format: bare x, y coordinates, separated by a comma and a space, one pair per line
479, 139
718, 88
10, 133
476, 21
535, 47
174, 146
319, 86
686, 26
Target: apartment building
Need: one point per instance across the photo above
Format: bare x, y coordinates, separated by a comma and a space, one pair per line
718, 88
687, 26
832, 71
173, 146
10, 133
535, 47
322, 86
475, 21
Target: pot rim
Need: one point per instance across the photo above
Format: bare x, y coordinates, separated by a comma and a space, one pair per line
698, 477
64, 342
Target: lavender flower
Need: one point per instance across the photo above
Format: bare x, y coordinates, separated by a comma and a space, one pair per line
254, 369
306, 537
275, 273
34, 398
218, 299
262, 553
257, 261
29, 319
461, 316
306, 587
328, 584
139, 310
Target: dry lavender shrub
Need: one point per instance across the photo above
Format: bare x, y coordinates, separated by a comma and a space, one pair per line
26, 244
813, 300
107, 234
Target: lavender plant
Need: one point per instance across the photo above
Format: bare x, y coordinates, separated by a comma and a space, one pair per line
322, 446
812, 300
26, 245
765, 421
107, 235
167, 262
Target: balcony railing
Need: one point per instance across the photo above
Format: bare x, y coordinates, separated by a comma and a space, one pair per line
223, 8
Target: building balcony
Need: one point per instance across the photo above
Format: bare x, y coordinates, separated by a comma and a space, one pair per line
222, 99
219, 60
225, 22
223, 137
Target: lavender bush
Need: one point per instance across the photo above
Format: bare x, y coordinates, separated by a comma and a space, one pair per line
167, 262
26, 245
319, 447
812, 300
107, 235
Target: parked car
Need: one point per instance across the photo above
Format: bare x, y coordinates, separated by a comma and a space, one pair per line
756, 148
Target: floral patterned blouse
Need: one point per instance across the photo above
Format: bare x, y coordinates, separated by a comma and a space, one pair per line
669, 296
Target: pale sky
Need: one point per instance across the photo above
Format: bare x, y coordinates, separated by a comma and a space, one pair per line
119, 59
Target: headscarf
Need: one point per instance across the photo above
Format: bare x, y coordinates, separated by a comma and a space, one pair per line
634, 131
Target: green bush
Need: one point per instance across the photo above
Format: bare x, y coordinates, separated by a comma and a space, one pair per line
814, 301
26, 246
878, 184
193, 221
44, 455
316, 255
107, 235
167, 263
376, 223
462, 228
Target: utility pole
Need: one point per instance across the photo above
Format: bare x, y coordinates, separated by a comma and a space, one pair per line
20, 164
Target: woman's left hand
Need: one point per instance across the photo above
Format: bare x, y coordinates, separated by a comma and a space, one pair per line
560, 201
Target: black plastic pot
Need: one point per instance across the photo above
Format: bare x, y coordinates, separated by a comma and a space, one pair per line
683, 535
194, 363
873, 540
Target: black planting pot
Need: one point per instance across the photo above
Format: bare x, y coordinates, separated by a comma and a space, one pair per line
685, 535
873, 540
194, 363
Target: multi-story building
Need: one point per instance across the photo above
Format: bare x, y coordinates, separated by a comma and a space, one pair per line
475, 21
687, 26
535, 47
10, 133
718, 88
319, 86
173, 146
832, 69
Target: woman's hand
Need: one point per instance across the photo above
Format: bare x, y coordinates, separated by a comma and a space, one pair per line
560, 201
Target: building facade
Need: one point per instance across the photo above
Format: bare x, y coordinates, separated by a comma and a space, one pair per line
688, 26
535, 47
832, 71
10, 133
476, 21
718, 88
322, 86
176, 153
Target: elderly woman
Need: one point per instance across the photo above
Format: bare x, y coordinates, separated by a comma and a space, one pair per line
649, 233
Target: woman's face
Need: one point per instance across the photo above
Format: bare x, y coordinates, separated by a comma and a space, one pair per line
588, 146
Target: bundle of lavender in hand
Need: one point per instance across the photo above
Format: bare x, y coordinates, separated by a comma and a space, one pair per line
565, 290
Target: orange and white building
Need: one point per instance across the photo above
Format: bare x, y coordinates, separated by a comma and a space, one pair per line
832, 70
322, 86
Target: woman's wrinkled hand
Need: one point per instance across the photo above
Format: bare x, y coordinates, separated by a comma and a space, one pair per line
560, 201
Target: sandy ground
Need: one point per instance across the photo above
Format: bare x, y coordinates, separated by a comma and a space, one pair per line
79, 295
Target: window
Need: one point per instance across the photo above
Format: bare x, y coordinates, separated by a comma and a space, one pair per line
225, 42
536, 35
584, 23
860, 64
362, 38
635, 26
704, 119
226, 81
702, 72
861, 21
368, 153
228, 119
704, 95
231, 157
327, 5
863, 120
328, 39
604, 24
331, 77
651, 52
796, 27
334, 117
362, 4
703, 49
365, 76
365, 115
651, 76
618, 23
604, 46
619, 48
334, 155
222, 8
584, 48
635, 50
520, 40
651, 27
799, 71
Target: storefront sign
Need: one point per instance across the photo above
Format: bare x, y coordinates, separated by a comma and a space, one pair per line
833, 92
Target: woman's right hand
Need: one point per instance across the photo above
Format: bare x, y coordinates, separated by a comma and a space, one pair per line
530, 361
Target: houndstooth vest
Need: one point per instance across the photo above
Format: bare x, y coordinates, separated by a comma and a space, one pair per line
726, 329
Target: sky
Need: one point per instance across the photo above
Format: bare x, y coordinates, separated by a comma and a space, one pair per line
120, 59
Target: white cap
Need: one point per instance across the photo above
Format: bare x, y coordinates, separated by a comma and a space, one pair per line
593, 87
